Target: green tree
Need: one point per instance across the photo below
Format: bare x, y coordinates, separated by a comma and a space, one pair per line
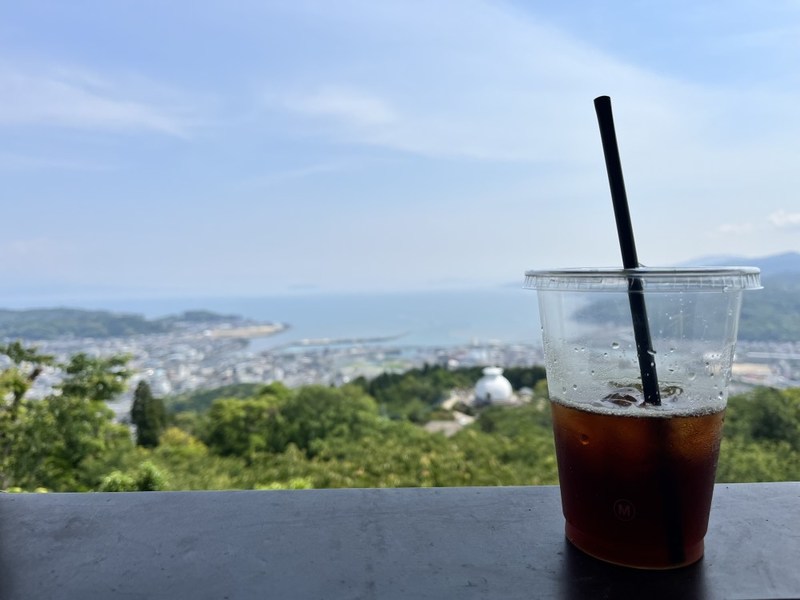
28, 365
180, 444
761, 439
59, 435
201, 400
744, 461
51, 442
240, 427
765, 415
317, 412
148, 415
15, 382
92, 378
520, 377
243, 427
147, 477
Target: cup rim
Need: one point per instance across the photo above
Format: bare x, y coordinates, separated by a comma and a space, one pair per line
652, 279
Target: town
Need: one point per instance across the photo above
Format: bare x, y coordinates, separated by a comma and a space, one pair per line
211, 355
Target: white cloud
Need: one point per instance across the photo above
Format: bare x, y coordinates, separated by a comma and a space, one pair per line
779, 219
784, 220
735, 228
491, 83
501, 84
79, 99
483, 80
22, 162
354, 106
301, 172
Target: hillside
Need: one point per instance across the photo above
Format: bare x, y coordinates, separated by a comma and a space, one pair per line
51, 323
771, 314
787, 263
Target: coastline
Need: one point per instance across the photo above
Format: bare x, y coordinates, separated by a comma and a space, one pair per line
247, 331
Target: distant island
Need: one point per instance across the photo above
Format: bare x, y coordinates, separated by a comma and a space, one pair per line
54, 323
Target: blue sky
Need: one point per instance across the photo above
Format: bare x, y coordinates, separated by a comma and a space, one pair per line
254, 147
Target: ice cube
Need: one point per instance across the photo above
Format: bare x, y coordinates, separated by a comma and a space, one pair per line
625, 397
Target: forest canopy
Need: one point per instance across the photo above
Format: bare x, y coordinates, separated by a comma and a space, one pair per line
366, 434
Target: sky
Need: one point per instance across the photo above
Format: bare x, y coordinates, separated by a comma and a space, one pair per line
259, 147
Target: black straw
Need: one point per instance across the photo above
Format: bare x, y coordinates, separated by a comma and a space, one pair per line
627, 244
668, 482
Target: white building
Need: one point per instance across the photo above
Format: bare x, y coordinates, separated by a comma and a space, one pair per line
493, 388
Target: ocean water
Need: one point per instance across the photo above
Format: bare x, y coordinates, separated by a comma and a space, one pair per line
431, 318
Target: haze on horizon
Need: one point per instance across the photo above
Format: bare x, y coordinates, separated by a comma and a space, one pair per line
252, 148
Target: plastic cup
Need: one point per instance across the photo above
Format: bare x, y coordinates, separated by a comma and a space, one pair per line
637, 478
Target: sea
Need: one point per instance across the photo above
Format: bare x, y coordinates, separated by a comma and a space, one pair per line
504, 315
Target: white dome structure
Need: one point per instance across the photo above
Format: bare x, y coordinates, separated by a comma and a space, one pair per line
493, 388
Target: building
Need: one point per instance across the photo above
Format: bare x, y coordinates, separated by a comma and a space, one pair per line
493, 389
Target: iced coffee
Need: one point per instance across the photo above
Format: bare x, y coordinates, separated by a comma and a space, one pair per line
636, 477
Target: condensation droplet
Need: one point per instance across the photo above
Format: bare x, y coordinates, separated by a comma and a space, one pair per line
615, 345
584, 439
574, 386
691, 376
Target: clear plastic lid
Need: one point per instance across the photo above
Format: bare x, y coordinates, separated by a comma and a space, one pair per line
694, 279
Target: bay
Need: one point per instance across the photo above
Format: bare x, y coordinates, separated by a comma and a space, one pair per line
506, 315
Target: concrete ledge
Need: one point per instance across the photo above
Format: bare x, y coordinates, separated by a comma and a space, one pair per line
378, 543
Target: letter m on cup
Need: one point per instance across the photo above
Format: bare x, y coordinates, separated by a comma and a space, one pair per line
624, 510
